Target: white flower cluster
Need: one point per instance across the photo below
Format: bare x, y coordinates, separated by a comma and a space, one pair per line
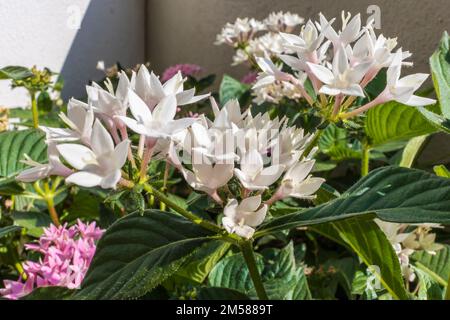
257, 151
341, 63
95, 145
407, 239
244, 35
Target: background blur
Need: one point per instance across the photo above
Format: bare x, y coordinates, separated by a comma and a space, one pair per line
70, 36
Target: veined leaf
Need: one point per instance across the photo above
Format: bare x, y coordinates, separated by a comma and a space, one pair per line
138, 252
15, 144
281, 277
440, 71
437, 120
394, 121
370, 243
391, 193
231, 88
5, 231
437, 265
33, 222
203, 261
15, 73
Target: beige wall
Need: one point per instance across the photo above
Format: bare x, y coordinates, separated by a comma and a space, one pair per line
184, 30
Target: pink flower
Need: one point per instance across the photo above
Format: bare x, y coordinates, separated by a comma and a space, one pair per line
186, 69
66, 256
249, 78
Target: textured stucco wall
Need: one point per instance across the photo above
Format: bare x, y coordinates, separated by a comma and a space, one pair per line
184, 30
45, 33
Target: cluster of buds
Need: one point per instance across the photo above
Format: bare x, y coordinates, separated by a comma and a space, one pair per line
407, 239
339, 64
66, 254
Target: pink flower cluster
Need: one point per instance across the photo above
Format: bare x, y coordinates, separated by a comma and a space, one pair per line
66, 256
186, 69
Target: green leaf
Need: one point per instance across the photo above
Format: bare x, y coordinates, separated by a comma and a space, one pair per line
429, 289
391, 193
231, 88
200, 264
437, 265
440, 71
5, 231
441, 171
371, 245
10, 187
394, 121
215, 293
15, 73
13, 146
438, 121
281, 277
333, 142
412, 150
138, 252
44, 102
50, 293
33, 221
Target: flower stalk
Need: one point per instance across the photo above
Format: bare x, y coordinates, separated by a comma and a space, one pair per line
249, 257
365, 160
34, 109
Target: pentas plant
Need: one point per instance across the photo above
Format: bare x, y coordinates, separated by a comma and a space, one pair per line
339, 64
66, 253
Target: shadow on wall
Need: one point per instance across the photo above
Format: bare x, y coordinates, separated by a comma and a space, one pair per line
112, 31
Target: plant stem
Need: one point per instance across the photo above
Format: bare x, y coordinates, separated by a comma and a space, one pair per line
247, 251
185, 213
34, 109
52, 211
365, 160
145, 161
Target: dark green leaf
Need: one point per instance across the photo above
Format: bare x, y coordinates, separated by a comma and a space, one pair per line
138, 252
32, 221
392, 193
371, 245
215, 293
50, 293
5, 231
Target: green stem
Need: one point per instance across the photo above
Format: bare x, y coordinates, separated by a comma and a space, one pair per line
34, 110
189, 215
247, 251
52, 211
365, 160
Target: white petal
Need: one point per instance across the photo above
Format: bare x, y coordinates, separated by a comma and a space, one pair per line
165, 110
413, 80
134, 125
110, 181
252, 163
122, 86
121, 153
299, 171
307, 187
230, 208
323, 74
351, 31
244, 231
76, 155
254, 219
84, 179
138, 108
416, 101
329, 90
221, 174
156, 87
101, 141
293, 62
269, 175
250, 204
353, 90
